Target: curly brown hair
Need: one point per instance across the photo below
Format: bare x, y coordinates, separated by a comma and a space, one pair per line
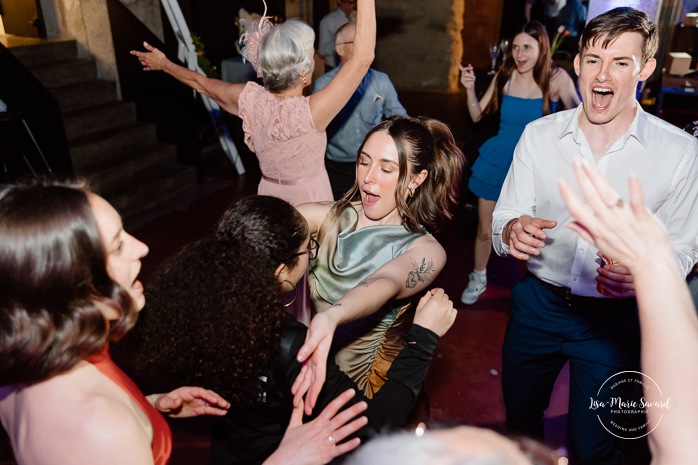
215, 313
53, 273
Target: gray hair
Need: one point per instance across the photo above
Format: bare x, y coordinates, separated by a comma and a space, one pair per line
408, 449
339, 36
285, 53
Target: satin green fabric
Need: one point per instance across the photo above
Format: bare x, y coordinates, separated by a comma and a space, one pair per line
364, 348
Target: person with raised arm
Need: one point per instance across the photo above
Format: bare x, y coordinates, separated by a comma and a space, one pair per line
376, 250
637, 238
216, 313
285, 129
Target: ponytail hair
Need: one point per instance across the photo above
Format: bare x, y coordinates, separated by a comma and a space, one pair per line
422, 144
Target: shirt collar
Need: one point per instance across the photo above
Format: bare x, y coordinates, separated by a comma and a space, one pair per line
638, 129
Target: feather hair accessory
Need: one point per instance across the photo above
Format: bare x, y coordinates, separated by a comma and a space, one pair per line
254, 31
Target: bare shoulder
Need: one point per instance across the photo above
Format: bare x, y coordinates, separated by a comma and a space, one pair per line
315, 213
77, 418
427, 241
427, 245
560, 78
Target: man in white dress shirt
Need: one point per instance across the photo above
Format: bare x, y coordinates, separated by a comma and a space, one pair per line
570, 307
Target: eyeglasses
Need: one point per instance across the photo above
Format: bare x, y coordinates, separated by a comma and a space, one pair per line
312, 249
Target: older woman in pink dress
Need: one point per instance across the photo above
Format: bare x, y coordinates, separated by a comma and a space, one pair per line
285, 129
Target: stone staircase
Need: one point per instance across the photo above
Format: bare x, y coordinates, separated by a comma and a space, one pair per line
119, 155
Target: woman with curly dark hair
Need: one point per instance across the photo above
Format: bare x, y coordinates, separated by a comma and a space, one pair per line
68, 274
216, 313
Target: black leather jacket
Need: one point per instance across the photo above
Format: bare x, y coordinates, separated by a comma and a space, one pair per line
249, 435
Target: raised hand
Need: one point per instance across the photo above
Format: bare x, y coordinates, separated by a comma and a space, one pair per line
320, 441
435, 312
467, 76
627, 233
314, 353
152, 60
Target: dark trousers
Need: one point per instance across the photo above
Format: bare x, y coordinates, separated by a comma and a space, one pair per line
342, 176
598, 338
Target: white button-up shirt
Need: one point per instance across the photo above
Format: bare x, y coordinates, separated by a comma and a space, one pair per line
664, 158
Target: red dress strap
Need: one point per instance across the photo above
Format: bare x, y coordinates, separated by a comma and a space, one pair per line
162, 435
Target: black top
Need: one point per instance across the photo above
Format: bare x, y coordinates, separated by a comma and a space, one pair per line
249, 435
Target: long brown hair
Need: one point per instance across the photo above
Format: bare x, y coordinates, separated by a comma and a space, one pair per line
422, 144
53, 277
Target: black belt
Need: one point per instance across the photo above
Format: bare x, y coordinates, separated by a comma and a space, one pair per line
565, 293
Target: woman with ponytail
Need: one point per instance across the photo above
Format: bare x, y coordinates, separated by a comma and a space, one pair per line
376, 250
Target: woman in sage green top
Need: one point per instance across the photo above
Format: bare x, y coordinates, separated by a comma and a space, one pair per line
376, 252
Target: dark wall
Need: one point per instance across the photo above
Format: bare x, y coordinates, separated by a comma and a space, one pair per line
214, 22
27, 99
180, 117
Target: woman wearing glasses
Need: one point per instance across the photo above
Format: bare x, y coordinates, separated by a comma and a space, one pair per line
216, 313
376, 249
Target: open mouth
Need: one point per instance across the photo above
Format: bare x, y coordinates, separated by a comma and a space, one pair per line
370, 199
601, 97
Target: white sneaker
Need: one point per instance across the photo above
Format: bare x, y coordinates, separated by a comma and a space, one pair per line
476, 286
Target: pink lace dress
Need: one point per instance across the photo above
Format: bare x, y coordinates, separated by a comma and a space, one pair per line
290, 150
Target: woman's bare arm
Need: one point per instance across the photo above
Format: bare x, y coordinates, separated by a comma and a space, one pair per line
402, 277
668, 322
562, 86
226, 95
327, 103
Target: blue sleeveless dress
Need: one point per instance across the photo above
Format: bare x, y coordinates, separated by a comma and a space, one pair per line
492, 164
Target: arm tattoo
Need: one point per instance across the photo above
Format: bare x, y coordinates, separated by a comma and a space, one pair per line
421, 273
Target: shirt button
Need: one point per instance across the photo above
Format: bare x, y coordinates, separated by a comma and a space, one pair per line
574, 279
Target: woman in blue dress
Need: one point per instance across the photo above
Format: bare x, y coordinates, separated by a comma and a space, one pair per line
526, 87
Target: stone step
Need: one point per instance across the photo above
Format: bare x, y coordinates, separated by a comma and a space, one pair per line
99, 148
97, 118
61, 73
151, 189
46, 51
130, 165
83, 94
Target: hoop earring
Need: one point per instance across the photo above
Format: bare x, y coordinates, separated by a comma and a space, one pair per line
295, 293
411, 191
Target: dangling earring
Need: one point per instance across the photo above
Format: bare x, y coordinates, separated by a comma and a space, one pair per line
411, 191
303, 80
295, 293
